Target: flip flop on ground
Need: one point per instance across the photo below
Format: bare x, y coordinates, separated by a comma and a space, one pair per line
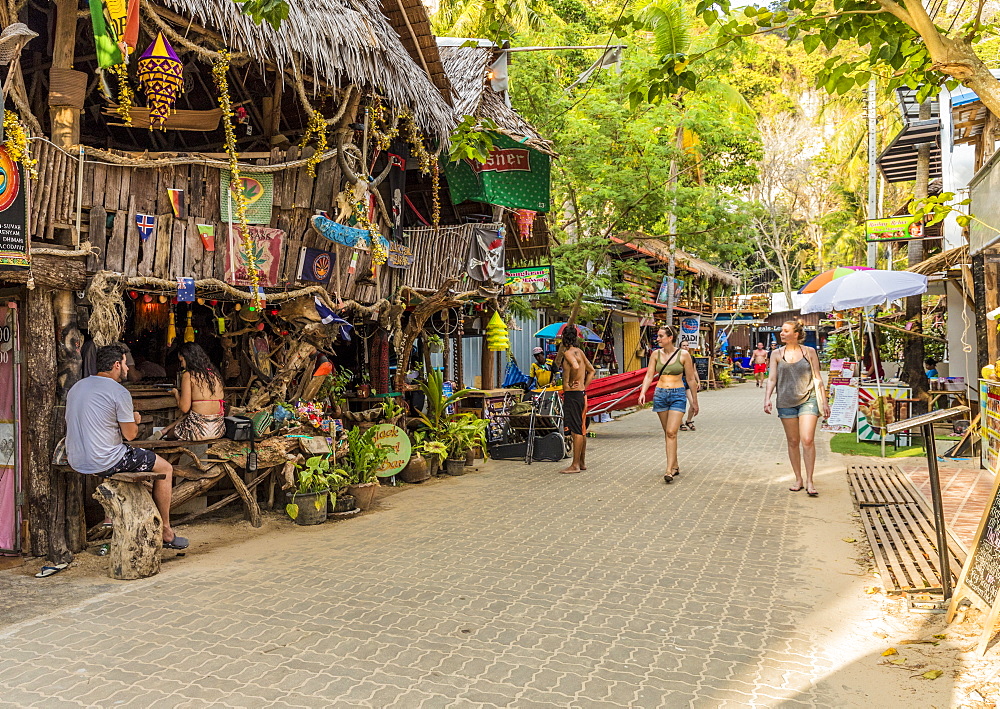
49, 570
177, 543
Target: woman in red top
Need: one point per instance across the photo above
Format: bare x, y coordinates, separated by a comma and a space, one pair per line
201, 397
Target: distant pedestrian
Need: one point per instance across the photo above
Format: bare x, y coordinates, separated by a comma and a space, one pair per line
796, 375
577, 374
759, 358
669, 365
541, 369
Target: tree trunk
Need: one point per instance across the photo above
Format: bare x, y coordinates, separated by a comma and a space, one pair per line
275, 389
137, 532
70, 369
39, 407
913, 347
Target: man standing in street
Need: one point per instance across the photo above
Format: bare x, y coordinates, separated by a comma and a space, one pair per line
577, 373
99, 419
759, 359
541, 370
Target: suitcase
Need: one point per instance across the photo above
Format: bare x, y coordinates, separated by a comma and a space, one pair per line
551, 447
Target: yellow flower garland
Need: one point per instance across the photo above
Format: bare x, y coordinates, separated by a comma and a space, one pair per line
379, 254
219, 70
428, 164
16, 143
126, 98
316, 126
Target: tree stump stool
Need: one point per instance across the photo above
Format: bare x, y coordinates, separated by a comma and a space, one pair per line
136, 525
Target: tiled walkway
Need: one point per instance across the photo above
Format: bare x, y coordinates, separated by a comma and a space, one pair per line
514, 587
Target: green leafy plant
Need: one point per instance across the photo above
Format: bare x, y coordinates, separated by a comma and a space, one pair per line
434, 343
462, 432
315, 477
364, 456
274, 12
437, 403
471, 139
391, 410
429, 447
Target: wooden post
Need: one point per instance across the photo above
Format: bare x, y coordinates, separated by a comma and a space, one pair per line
68, 514
65, 119
39, 407
488, 358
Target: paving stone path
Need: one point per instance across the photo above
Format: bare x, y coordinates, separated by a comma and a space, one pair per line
515, 586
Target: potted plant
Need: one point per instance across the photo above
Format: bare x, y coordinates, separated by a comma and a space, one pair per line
309, 500
434, 343
461, 432
364, 456
339, 479
392, 412
426, 458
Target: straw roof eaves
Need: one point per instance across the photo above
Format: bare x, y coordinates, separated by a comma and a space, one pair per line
340, 42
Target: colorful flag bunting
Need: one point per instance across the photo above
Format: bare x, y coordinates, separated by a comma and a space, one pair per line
177, 202
146, 223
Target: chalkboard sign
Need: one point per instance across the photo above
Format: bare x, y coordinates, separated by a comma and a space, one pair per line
701, 364
980, 579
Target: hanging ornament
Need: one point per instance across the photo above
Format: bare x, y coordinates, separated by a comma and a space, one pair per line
161, 76
525, 221
496, 334
189, 329
171, 329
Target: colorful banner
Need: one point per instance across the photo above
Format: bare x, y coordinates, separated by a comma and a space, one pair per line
258, 188
663, 294
485, 261
10, 463
344, 235
690, 327
13, 215
266, 256
529, 281
893, 229
514, 176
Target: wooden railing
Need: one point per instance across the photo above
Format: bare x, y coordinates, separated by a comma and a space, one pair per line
754, 304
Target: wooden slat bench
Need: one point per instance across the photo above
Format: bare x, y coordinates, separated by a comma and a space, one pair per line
898, 522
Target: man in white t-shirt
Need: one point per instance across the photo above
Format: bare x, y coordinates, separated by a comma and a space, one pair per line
99, 419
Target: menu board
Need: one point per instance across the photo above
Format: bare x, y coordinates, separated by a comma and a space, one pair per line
701, 364
983, 575
989, 406
843, 405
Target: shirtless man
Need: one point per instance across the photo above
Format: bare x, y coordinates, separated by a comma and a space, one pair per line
577, 372
759, 358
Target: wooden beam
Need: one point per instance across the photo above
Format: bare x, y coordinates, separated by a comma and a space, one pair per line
65, 119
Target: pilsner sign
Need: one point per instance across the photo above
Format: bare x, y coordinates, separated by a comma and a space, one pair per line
899, 228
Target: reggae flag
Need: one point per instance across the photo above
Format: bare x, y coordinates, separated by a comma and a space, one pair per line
514, 176
116, 29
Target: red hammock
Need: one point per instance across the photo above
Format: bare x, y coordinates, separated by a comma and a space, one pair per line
617, 392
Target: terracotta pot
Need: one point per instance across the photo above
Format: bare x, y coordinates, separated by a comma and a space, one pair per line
306, 502
455, 467
434, 465
470, 457
364, 391
416, 471
363, 494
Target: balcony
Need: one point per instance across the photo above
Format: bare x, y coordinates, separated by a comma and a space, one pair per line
753, 304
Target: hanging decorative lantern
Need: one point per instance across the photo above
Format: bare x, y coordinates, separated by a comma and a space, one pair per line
525, 222
160, 75
496, 334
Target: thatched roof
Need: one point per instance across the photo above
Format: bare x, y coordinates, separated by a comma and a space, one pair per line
660, 251
409, 19
340, 42
942, 261
467, 69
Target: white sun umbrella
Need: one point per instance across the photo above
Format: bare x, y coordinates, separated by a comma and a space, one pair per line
863, 289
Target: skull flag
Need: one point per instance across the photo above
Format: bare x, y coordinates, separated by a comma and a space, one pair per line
485, 262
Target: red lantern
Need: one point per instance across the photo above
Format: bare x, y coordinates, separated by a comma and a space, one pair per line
133, 295
260, 326
147, 298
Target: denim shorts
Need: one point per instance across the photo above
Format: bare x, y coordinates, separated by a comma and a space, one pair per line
810, 407
670, 400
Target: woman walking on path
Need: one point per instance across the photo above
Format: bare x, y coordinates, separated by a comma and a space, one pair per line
794, 372
670, 364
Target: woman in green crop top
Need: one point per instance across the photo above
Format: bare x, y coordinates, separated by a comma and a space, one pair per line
668, 366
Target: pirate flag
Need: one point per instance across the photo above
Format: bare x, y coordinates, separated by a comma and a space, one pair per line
485, 262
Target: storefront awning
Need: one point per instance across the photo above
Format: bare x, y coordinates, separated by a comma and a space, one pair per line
898, 162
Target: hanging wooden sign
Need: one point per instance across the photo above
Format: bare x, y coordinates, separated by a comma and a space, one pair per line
400, 255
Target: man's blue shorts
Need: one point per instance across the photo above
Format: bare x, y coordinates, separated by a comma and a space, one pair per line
670, 400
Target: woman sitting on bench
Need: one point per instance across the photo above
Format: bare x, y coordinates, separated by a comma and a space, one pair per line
201, 398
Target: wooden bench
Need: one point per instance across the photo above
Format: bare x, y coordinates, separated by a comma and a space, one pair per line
136, 526
898, 522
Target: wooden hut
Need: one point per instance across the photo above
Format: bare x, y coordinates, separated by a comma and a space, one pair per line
119, 212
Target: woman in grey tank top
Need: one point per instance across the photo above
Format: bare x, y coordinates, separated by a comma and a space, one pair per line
794, 373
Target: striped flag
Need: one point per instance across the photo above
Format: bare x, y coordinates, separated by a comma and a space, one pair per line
146, 224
